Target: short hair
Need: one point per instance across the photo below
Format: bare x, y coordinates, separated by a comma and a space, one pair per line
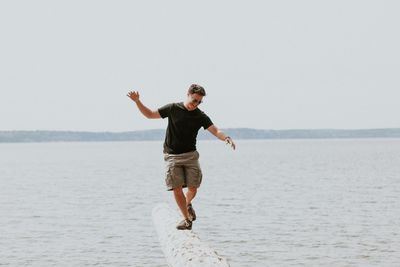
197, 89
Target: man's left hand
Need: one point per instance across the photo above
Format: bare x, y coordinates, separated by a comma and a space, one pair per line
230, 142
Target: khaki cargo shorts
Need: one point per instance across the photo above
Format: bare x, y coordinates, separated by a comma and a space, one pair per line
182, 170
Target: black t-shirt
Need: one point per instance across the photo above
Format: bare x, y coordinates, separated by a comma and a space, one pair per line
183, 126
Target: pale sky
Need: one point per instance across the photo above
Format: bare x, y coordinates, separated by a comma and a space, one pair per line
67, 65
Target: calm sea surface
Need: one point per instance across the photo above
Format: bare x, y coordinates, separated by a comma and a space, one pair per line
269, 203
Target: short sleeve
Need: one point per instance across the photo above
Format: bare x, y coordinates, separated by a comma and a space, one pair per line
206, 122
165, 111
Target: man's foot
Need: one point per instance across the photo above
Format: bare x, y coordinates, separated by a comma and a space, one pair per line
184, 225
192, 213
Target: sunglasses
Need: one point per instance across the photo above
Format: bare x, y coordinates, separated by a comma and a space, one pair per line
195, 101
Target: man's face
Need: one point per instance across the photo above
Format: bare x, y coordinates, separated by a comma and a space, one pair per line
193, 101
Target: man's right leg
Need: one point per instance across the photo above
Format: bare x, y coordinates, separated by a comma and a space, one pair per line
190, 194
175, 179
186, 224
181, 201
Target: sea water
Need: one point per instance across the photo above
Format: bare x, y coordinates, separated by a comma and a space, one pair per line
269, 203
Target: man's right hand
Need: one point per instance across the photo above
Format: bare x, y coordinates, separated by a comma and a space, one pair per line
134, 95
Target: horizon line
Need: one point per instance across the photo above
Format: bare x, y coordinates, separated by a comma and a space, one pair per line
223, 128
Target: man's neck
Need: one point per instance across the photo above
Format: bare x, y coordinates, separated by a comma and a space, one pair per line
187, 106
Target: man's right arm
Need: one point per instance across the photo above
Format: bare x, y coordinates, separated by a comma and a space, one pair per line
148, 113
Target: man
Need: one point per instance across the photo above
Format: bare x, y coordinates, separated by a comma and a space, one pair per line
182, 159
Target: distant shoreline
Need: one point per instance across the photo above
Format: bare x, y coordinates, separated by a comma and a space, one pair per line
158, 134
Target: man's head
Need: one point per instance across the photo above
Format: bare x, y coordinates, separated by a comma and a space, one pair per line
197, 89
195, 96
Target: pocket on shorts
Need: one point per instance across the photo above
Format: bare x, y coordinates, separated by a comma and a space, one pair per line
174, 177
195, 177
168, 177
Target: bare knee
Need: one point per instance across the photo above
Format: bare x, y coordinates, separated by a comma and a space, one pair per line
178, 190
192, 189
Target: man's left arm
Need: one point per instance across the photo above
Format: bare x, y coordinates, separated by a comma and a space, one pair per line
221, 135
